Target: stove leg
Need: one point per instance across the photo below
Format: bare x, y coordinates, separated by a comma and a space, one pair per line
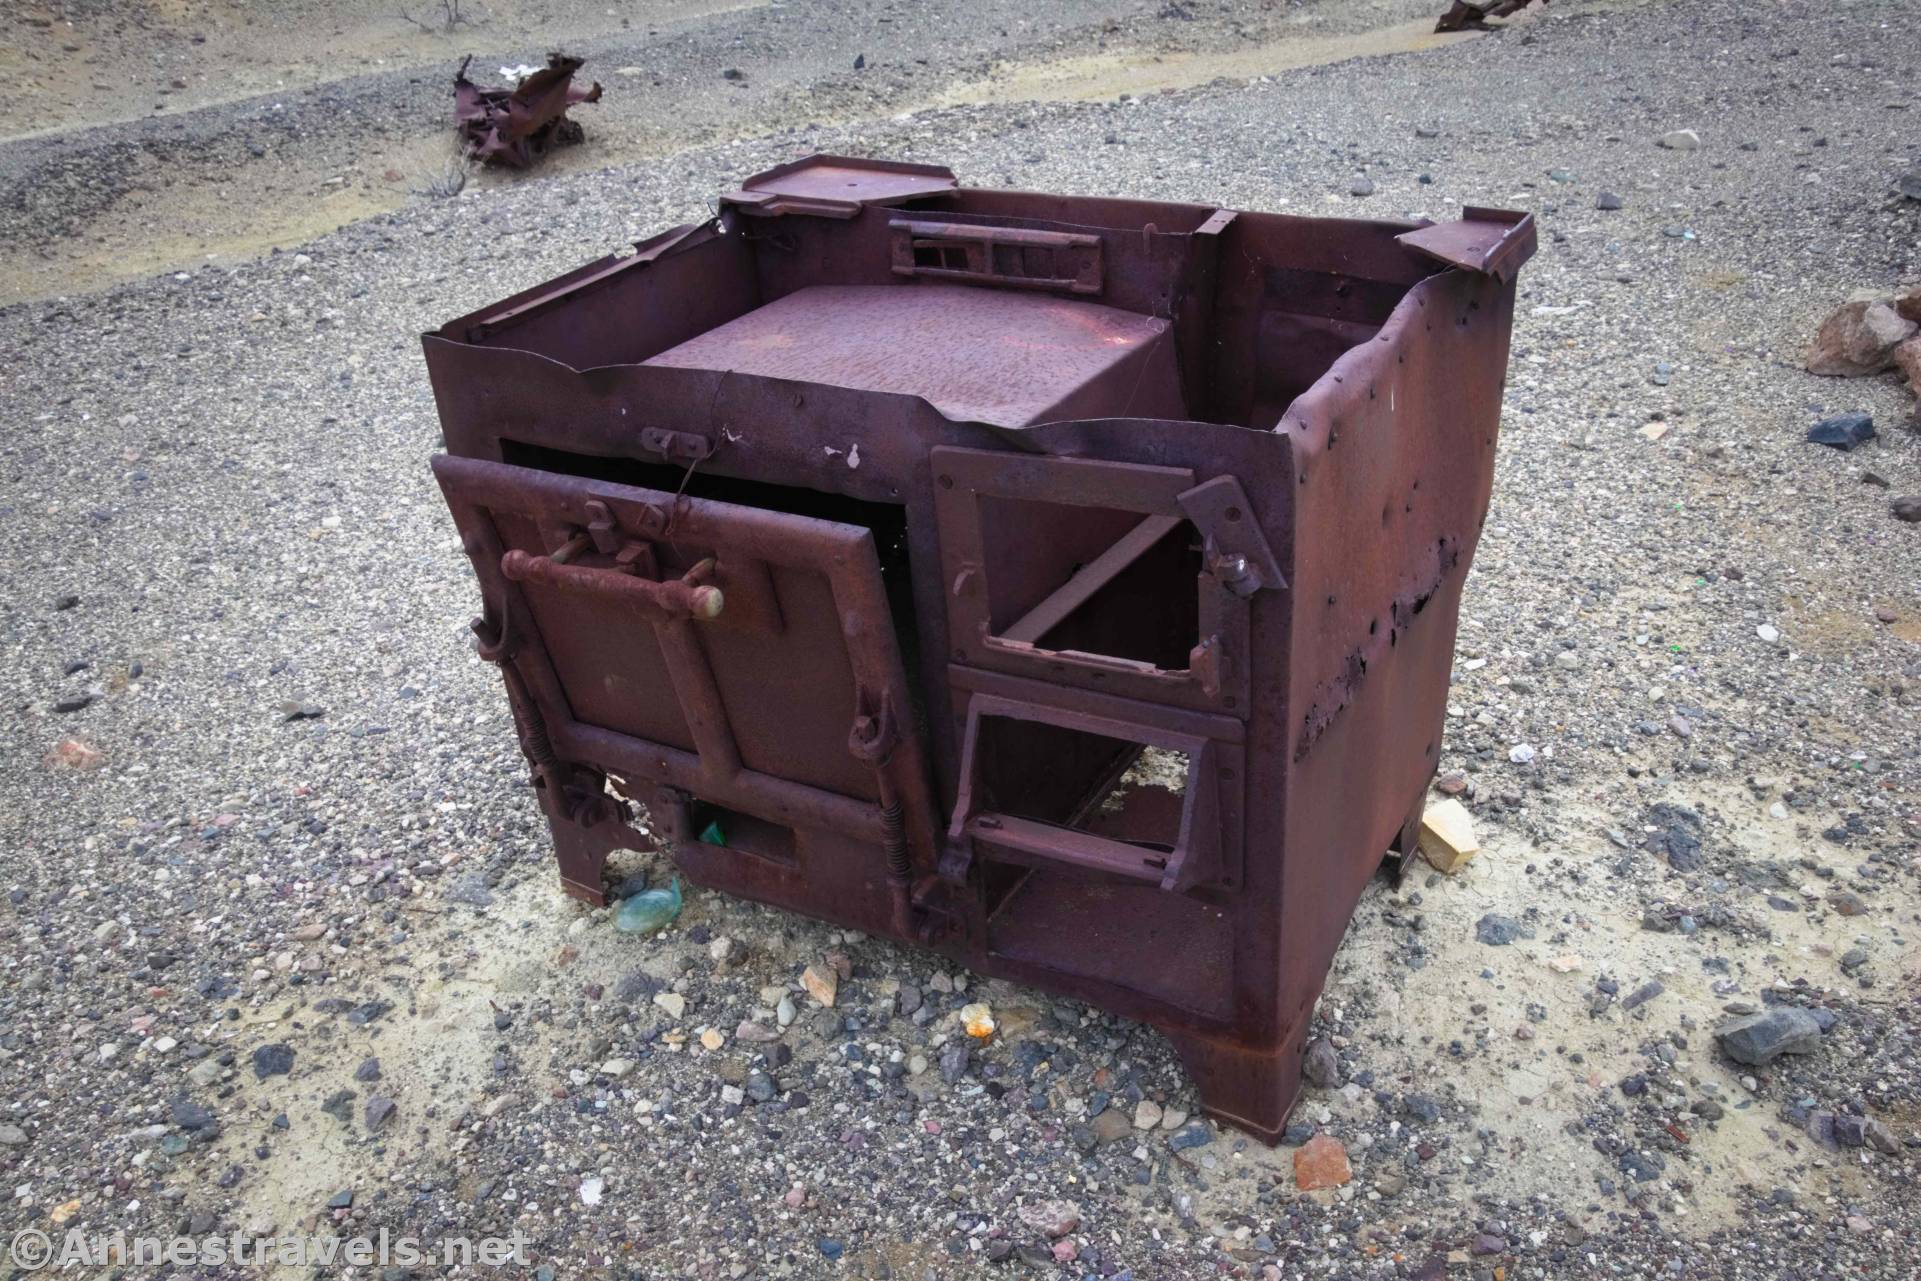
1252, 1088
588, 825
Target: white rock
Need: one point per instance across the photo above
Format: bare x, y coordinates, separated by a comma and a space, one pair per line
1681, 140
673, 1002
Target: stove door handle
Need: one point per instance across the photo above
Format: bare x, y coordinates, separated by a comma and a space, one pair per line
684, 597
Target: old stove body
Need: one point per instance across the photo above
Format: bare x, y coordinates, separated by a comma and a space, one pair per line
1066, 585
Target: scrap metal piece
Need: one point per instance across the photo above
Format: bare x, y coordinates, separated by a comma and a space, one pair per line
1472, 15
1493, 242
515, 127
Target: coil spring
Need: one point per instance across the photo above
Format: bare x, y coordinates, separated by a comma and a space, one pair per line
893, 841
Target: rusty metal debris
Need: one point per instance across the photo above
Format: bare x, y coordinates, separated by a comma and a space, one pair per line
515, 127
1067, 585
1472, 15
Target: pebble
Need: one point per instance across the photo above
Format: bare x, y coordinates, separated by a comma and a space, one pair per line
189, 1115
673, 1002
1842, 431
1191, 1136
1361, 187
1759, 1039
272, 1060
1051, 1218
822, 983
1321, 1065
1680, 140
1321, 1162
1642, 995
1421, 1108
1147, 1114
1111, 1126
1496, 930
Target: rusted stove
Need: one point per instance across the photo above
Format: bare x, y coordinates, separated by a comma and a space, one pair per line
1067, 585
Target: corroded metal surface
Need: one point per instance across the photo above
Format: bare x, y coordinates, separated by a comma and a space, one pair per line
872, 534
978, 355
515, 127
1472, 15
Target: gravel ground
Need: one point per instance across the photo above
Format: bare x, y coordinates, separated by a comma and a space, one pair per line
359, 121
286, 952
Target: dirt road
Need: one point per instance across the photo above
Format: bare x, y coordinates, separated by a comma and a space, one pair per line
141, 139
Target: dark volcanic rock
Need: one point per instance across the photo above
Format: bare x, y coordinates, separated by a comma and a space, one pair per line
1759, 1039
1321, 1066
1843, 431
1496, 930
272, 1060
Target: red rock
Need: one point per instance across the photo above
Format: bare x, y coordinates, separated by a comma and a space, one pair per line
1053, 1219
1858, 340
71, 753
1321, 1162
1908, 306
1907, 358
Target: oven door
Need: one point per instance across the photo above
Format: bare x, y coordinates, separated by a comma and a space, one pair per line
738, 665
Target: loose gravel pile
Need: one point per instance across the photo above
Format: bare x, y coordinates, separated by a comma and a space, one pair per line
286, 953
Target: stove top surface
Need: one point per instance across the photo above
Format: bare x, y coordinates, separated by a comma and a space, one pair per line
992, 356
